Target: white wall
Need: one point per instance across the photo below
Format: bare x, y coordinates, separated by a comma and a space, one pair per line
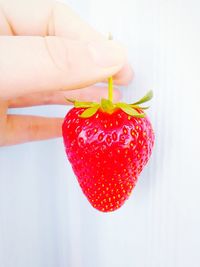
44, 219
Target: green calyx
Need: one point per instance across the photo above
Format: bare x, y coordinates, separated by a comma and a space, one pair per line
109, 107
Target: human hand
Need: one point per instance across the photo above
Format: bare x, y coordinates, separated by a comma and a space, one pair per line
47, 51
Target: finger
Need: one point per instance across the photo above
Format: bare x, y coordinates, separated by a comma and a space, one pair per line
23, 129
44, 17
67, 23
3, 119
37, 64
93, 93
49, 18
124, 76
3, 108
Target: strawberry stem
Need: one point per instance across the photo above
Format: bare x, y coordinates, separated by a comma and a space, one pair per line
110, 89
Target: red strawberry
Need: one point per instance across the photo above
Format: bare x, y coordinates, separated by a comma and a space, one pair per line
108, 146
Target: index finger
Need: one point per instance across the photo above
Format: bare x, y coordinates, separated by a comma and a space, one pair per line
43, 18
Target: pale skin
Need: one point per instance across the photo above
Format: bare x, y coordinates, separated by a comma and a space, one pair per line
47, 53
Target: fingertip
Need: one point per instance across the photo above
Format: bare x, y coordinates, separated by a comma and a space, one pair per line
125, 75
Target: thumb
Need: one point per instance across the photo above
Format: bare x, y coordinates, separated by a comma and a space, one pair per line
32, 64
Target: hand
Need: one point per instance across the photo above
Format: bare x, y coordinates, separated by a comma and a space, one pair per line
47, 51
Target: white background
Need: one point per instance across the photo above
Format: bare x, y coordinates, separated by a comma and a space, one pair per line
45, 221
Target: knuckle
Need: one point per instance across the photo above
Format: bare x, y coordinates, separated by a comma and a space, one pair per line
57, 52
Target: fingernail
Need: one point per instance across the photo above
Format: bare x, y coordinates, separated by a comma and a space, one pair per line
107, 54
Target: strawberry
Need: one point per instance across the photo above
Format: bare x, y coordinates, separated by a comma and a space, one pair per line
108, 146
